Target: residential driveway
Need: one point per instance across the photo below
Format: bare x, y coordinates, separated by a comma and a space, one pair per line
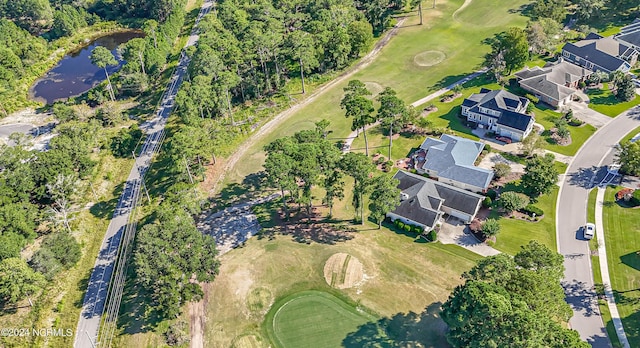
493, 158
453, 231
592, 117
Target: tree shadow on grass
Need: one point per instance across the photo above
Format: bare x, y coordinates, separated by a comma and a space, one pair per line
411, 329
105, 209
252, 186
135, 314
632, 260
302, 228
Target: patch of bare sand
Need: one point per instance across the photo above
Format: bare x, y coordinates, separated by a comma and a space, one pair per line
343, 271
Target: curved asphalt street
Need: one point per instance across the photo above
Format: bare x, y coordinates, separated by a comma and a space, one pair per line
99, 286
585, 171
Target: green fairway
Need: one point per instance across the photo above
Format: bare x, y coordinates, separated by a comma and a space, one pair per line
312, 319
401, 66
622, 233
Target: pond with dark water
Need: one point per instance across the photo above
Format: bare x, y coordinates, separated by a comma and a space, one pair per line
75, 74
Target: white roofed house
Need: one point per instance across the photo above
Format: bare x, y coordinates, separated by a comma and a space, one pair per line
450, 160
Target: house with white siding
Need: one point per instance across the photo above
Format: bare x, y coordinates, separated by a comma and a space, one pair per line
499, 111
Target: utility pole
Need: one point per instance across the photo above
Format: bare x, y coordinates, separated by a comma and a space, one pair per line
186, 164
141, 177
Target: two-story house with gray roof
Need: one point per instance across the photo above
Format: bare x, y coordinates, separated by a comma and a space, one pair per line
598, 53
423, 201
499, 111
450, 160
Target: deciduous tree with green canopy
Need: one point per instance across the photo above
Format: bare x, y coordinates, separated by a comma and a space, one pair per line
359, 108
512, 302
629, 157
540, 175
18, 280
359, 167
512, 201
385, 197
170, 253
392, 113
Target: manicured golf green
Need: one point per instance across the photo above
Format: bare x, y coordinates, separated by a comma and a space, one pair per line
312, 319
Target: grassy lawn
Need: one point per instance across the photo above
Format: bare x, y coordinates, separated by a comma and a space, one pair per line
312, 318
622, 231
631, 134
515, 232
268, 269
579, 135
604, 102
460, 42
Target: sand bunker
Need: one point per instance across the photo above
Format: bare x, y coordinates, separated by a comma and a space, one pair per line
343, 271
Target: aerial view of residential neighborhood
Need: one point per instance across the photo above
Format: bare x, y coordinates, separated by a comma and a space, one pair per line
320, 173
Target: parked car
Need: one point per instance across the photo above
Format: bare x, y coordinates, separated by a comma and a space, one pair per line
589, 230
504, 139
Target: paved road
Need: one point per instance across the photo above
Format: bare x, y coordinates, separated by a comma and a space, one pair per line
583, 173
93, 306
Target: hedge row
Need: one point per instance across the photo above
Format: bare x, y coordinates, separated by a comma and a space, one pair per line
532, 209
408, 227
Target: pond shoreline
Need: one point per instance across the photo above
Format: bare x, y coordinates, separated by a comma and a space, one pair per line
73, 74
18, 99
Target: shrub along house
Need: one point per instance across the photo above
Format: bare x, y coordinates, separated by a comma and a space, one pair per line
555, 83
425, 201
499, 111
450, 160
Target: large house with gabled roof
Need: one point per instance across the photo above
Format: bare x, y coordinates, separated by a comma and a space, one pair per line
499, 111
555, 83
598, 53
424, 201
450, 160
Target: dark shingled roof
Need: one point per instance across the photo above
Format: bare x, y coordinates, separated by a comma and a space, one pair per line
630, 34
515, 120
505, 102
424, 197
598, 50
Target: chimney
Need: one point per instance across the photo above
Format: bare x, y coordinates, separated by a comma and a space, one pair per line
567, 77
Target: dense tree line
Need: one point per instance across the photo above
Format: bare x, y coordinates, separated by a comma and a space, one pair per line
170, 256
28, 28
19, 50
512, 302
249, 49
